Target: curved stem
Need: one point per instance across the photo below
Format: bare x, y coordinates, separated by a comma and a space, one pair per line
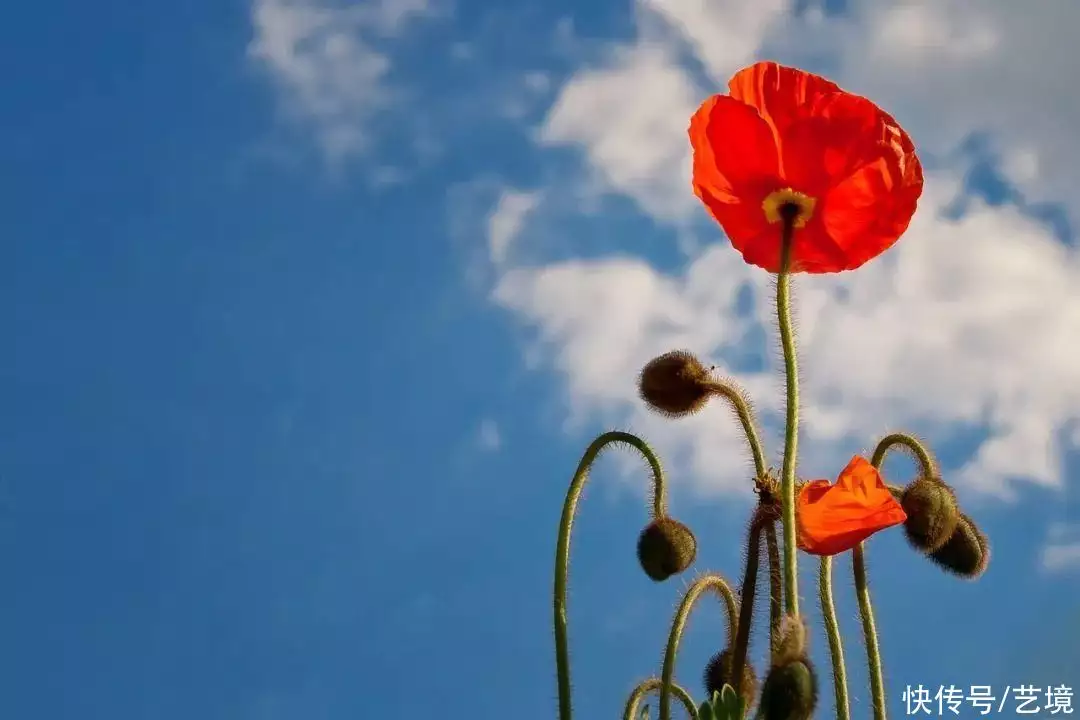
927, 464
836, 647
791, 429
652, 685
746, 605
866, 610
746, 419
776, 590
718, 585
562, 552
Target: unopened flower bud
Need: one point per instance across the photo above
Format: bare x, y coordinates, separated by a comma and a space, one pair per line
790, 640
932, 513
666, 547
967, 551
675, 384
790, 691
719, 672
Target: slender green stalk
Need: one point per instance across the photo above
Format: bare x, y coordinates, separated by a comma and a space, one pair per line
652, 685
746, 419
866, 610
776, 588
791, 429
562, 552
710, 581
927, 463
746, 604
836, 646
928, 468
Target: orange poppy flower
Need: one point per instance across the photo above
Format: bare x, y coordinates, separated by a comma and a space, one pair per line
786, 137
834, 518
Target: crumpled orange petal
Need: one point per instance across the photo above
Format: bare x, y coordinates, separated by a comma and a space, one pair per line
833, 518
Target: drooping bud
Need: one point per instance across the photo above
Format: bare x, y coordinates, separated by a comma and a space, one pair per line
790, 640
666, 547
675, 384
932, 513
719, 672
967, 551
790, 691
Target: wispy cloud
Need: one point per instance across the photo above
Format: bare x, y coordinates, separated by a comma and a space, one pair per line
488, 436
1062, 549
953, 67
506, 220
331, 63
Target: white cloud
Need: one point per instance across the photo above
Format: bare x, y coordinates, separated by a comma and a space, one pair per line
965, 323
329, 63
723, 34
623, 116
488, 437
946, 68
951, 67
630, 114
505, 221
1060, 553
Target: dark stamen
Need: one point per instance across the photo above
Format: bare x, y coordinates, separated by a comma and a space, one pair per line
788, 211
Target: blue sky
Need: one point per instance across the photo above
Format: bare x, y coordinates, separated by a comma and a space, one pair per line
313, 307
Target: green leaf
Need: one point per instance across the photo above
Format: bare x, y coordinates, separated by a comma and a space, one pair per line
644, 714
705, 712
725, 705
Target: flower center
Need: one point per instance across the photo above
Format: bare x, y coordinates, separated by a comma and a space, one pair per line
788, 205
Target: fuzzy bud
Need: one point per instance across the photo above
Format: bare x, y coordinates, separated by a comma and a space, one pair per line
666, 547
675, 384
966, 553
790, 640
719, 672
932, 514
790, 691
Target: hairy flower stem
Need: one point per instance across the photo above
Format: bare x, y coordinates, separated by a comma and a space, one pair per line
652, 685
562, 553
710, 581
866, 610
776, 588
836, 646
746, 603
791, 429
927, 468
927, 464
746, 419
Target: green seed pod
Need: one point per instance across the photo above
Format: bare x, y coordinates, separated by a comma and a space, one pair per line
967, 552
932, 514
666, 547
719, 673
675, 384
790, 691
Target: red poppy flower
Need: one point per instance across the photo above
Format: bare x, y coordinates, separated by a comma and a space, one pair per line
835, 518
785, 137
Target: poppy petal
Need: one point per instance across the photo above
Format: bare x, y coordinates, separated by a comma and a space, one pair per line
815, 251
866, 164
863, 218
835, 518
779, 93
735, 166
733, 148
